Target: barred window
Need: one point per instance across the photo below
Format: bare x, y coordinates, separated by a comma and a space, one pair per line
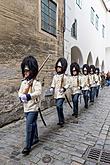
92, 15
103, 31
48, 16
97, 22
74, 29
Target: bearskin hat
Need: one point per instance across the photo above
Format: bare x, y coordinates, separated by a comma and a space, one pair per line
98, 70
87, 67
92, 67
31, 63
63, 64
76, 66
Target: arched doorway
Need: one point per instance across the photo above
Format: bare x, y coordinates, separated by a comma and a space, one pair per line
97, 62
102, 66
89, 59
76, 55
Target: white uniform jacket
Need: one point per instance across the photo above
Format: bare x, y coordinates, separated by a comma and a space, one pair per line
35, 92
92, 80
56, 84
85, 82
97, 80
75, 83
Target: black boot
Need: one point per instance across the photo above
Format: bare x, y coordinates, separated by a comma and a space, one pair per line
73, 114
61, 124
86, 106
26, 151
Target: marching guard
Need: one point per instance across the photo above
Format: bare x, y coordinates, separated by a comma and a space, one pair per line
85, 84
92, 83
97, 81
75, 86
29, 94
59, 86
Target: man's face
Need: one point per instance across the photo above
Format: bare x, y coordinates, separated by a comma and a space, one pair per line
91, 71
85, 71
96, 71
26, 73
59, 69
74, 72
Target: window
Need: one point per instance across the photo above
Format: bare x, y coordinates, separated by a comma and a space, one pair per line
79, 3
92, 15
74, 29
48, 16
97, 22
103, 31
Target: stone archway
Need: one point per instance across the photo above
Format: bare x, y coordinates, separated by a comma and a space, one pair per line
90, 59
102, 66
76, 55
97, 62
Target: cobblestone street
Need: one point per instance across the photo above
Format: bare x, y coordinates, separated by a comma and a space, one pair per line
61, 146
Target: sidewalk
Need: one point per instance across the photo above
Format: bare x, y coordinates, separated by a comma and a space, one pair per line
74, 144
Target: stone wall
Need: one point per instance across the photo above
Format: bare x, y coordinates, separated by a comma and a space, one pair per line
20, 34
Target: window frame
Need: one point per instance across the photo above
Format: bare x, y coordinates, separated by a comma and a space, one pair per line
74, 29
92, 16
51, 22
97, 22
103, 31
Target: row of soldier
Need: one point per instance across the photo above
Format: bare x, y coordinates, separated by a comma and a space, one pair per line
30, 91
87, 83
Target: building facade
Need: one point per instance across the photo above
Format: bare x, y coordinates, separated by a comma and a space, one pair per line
27, 27
86, 39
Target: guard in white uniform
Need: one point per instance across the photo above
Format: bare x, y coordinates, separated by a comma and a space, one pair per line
97, 81
85, 84
59, 86
92, 83
29, 94
75, 86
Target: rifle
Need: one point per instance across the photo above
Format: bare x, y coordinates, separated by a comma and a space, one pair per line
78, 85
61, 86
88, 79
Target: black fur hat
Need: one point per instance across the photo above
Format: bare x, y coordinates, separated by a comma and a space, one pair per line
92, 67
87, 67
76, 66
63, 63
32, 64
98, 70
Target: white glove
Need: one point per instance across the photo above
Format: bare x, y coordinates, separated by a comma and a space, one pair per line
23, 98
61, 90
51, 90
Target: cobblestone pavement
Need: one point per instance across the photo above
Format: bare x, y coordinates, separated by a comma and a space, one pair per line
61, 146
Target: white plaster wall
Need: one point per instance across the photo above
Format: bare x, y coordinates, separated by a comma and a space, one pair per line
108, 30
107, 60
107, 48
88, 37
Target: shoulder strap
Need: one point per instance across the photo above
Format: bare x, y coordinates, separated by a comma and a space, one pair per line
62, 80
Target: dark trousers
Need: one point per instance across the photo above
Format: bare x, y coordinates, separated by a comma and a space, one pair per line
108, 82
59, 106
97, 90
92, 94
86, 97
31, 128
75, 104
